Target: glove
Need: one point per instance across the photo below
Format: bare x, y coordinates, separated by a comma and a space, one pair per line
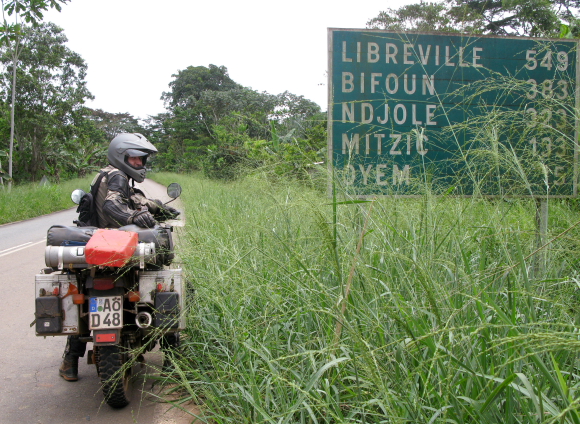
144, 219
165, 212
172, 212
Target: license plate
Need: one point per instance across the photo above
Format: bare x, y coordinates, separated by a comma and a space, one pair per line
105, 312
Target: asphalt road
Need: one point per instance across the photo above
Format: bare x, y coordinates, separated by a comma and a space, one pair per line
31, 390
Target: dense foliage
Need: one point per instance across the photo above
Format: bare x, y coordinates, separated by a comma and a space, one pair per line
218, 126
31, 200
31, 12
53, 133
428, 310
515, 17
211, 124
50, 92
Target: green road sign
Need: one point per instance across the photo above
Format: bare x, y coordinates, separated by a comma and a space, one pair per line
456, 114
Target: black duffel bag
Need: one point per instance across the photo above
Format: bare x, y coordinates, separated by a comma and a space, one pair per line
62, 235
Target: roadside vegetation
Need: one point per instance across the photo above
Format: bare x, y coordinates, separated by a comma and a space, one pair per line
316, 309
437, 309
32, 200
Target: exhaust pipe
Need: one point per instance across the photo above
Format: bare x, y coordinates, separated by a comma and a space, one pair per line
143, 320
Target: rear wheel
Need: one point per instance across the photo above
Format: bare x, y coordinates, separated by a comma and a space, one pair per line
114, 377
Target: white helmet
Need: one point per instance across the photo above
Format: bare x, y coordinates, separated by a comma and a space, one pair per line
128, 145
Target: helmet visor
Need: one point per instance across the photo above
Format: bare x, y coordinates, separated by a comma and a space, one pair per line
135, 153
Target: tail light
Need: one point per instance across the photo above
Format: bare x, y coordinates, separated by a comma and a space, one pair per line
134, 296
78, 298
103, 283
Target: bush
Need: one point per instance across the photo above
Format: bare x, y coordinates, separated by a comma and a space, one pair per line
31, 200
398, 310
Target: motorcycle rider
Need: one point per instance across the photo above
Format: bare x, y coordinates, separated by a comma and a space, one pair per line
119, 203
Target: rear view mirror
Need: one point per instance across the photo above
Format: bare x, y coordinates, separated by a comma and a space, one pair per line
174, 190
77, 195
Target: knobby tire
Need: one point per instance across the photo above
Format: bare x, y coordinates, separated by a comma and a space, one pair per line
114, 379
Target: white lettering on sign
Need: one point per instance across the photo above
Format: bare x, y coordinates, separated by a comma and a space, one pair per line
548, 89
379, 138
415, 121
344, 58
374, 81
366, 113
420, 53
367, 108
397, 140
365, 173
448, 57
390, 83
476, 57
400, 114
407, 54
350, 144
373, 53
430, 113
401, 144
424, 56
402, 101
379, 171
381, 174
401, 176
347, 112
391, 53
545, 59
347, 82
413, 85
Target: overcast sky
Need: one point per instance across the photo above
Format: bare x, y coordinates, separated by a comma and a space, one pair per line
132, 47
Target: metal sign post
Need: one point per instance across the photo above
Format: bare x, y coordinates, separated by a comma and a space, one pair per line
542, 235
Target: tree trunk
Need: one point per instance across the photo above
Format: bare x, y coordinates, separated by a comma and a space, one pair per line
12, 107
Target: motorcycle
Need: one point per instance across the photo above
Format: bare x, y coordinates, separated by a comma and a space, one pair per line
112, 287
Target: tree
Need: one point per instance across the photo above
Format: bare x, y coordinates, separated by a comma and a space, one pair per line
515, 17
2, 173
189, 84
252, 109
259, 128
211, 119
31, 11
423, 16
199, 98
115, 123
497, 17
50, 96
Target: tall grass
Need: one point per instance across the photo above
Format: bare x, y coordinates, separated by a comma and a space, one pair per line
425, 310
445, 320
31, 200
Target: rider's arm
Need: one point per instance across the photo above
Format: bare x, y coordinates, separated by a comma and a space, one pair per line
160, 211
116, 204
120, 208
140, 199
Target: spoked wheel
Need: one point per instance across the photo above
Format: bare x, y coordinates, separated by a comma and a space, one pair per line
114, 378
